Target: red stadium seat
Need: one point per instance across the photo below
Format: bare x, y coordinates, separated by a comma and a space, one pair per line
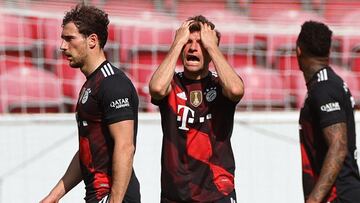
19, 39
240, 48
8, 63
355, 60
30, 90
140, 75
71, 80
281, 53
283, 44
17, 32
188, 8
351, 41
52, 41
298, 89
260, 10
334, 10
128, 8
351, 80
264, 88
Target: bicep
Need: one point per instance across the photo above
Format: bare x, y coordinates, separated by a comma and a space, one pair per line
122, 132
336, 134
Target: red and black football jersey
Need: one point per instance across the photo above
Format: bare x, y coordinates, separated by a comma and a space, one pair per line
106, 97
197, 158
328, 102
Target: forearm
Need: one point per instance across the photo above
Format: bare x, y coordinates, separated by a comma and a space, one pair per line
160, 82
333, 162
71, 178
122, 170
232, 84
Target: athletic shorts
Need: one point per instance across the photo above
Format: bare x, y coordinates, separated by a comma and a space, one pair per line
132, 194
106, 199
231, 198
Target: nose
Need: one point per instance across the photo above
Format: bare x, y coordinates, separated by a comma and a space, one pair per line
64, 45
193, 46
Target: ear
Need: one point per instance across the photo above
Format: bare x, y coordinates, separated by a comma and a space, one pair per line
298, 51
93, 41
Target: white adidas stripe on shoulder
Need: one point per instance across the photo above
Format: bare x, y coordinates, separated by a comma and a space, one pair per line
322, 75
214, 74
107, 70
110, 68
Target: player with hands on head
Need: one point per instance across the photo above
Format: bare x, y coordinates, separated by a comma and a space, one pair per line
197, 110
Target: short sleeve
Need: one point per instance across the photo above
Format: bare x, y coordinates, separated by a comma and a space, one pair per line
159, 102
327, 102
118, 99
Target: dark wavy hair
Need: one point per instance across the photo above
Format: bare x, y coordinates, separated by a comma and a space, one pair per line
315, 39
89, 20
196, 26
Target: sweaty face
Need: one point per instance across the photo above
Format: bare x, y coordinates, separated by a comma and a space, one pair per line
74, 45
193, 55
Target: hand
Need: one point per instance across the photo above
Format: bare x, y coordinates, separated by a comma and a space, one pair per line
183, 33
49, 199
310, 200
208, 36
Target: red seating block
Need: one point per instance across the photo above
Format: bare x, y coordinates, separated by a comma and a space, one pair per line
264, 88
30, 90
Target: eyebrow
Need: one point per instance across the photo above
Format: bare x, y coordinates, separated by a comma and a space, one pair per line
67, 37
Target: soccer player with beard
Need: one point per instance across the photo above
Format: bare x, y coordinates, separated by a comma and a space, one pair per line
197, 113
106, 115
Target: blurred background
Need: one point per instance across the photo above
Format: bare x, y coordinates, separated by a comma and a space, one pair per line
38, 90
258, 39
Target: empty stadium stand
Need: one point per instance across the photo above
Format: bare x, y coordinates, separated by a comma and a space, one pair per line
258, 39
30, 90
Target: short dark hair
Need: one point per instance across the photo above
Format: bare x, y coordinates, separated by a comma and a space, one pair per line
315, 39
89, 20
201, 19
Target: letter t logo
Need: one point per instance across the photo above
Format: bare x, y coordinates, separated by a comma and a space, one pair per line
184, 117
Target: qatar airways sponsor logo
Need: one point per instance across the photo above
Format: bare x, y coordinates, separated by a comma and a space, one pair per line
120, 103
329, 107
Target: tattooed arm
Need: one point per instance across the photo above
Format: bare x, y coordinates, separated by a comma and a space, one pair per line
336, 138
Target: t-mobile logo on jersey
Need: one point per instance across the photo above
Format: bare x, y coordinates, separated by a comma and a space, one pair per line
188, 118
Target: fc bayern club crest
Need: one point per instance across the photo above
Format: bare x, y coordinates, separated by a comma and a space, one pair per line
210, 94
196, 98
85, 95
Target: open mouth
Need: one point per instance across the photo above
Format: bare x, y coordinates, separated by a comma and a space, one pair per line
192, 58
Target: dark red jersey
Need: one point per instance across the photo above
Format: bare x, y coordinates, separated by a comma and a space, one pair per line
107, 97
329, 101
197, 158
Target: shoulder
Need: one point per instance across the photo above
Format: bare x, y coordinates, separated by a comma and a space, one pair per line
214, 78
214, 74
327, 81
114, 77
178, 75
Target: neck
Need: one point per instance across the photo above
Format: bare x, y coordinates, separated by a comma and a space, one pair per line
312, 65
196, 75
92, 62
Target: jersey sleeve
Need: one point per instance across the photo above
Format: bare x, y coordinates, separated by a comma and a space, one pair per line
327, 102
118, 99
159, 102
